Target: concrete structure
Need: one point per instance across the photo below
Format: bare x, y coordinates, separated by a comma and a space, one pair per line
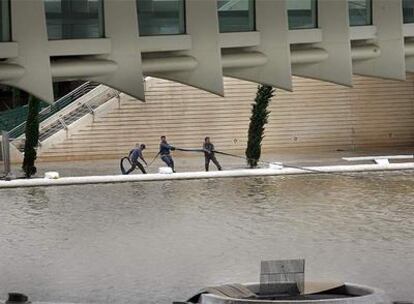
196, 175
117, 43
316, 116
357, 294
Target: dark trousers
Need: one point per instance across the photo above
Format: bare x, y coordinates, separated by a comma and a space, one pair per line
134, 165
211, 157
168, 160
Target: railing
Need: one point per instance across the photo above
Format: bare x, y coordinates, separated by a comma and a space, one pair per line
76, 112
56, 107
10, 118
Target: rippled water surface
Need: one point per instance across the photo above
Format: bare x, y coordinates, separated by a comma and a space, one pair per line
158, 242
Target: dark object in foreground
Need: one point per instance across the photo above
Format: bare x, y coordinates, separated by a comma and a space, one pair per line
15, 297
283, 282
32, 137
317, 293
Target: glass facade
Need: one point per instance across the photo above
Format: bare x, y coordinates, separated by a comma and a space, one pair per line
302, 14
408, 11
4, 21
74, 19
360, 12
236, 15
161, 17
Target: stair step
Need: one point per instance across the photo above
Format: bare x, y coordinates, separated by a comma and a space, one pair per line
317, 114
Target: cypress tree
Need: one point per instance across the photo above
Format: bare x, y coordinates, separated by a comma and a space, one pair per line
258, 120
32, 137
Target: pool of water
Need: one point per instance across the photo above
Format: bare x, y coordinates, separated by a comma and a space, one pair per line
162, 241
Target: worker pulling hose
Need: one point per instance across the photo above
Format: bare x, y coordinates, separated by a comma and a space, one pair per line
133, 158
209, 153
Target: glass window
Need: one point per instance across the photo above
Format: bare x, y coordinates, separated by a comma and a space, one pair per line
360, 12
74, 19
236, 15
301, 14
408, 10
5, 20
161, 17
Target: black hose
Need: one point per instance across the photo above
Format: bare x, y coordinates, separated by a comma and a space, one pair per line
290, 166
261, 161
179, 149
246, 158
190, 149
155, 157
121, 164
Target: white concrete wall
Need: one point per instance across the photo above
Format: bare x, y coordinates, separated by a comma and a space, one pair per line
388, 23
28, 29
273, 45
333, 20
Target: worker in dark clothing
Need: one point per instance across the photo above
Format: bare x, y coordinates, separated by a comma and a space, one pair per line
209, 154
165, 152
134, 156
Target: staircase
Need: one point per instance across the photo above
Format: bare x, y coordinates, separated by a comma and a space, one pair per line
47, 112
59, 117
317, 116
170, 110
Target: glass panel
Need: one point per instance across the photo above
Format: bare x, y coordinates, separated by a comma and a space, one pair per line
161, 17
301, 14
74, 19
236, 15
360, 12
4, 21
408, 10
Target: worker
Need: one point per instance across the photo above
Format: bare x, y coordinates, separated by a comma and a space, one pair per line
165, 152
134, 156
209, 154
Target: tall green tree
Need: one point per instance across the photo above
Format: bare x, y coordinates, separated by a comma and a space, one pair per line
32, 137
258, 120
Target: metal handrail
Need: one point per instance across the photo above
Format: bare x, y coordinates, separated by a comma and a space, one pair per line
91, 111
56, 107
64, 120
90, 105
63, 123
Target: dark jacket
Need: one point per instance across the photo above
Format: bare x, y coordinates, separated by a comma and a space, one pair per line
208, 149
165, 149
135, 154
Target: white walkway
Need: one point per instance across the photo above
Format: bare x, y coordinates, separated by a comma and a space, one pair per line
288, 170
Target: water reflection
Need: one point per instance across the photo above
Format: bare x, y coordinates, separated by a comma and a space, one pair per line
158, 242
37, 199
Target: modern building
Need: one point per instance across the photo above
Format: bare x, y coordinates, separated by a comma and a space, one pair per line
222, 47
197, 42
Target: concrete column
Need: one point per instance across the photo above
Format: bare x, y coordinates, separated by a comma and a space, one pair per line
121, 26
202, 25
388, 20
271, 22
30, 32
333, 20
